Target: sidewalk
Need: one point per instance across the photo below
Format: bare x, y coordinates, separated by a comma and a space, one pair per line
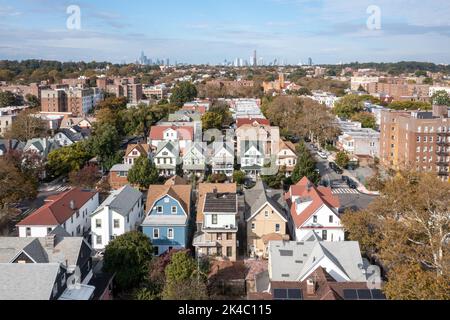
361, 188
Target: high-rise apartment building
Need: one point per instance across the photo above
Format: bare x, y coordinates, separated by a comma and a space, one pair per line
416, 140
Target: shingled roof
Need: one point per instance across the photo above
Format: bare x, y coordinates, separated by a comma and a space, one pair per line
180, 192
205, 188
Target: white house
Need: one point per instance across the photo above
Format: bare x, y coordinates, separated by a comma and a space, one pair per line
222, 160
135, 151
287, 157
166, 158
70, 210
194, 161
121, 212
183, 136
314, 210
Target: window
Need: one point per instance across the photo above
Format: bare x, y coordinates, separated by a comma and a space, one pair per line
253, 226
229, 252
229, 236
174, 210
219, 237
49, 230
331, 219
315, 219
99, 240
266, 213
78, 230
159, 209
28, 232
98, 223
214, 219
324, 235
155, 233
277, 228
156, 251
170, 233
116, 223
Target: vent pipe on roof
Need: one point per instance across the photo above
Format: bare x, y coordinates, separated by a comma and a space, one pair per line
72, 204
310, 287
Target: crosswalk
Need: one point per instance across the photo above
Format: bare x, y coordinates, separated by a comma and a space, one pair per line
345, 191
62, 188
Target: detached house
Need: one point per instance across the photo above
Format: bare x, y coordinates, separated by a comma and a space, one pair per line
266, 214
222, 158
121, 212
166, 158
194, 160
217, 224
70, 210
41, 146
316, 270
168, 215
314, 210
181, 136
287, 157
135, 151
54, 267
69, 136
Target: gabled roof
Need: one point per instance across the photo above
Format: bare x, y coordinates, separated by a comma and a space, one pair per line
180, 192
251, 121
196, 146
72, 135
317, 197
259, 196
184, 132
169, 145
287, 145
27, 281
144, 149
57, 208
295, 261
205, 188
216, 202
121, 201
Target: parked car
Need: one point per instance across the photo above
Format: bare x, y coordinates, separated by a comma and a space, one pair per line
345, 179
323, 155
352, 184
335, 168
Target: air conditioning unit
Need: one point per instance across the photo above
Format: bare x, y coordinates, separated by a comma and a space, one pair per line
227, 227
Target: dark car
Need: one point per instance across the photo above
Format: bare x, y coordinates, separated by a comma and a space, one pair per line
345, 179
352, 184
336, 168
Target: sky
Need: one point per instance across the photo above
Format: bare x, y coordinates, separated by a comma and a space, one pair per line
210, 31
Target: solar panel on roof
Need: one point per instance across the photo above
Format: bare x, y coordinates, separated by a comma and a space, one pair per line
295, 294
378, 295
280, 294
364, 294
350, 294
286, 253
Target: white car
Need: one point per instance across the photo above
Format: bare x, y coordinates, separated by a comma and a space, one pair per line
323, 155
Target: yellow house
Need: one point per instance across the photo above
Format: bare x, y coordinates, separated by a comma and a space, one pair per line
266, 217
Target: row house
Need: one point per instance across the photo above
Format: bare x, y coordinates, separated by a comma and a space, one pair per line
70, 210
183, 136
135, 151
287, 157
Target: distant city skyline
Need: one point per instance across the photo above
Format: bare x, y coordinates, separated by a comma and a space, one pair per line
205, 31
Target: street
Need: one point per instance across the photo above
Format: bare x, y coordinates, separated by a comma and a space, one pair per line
350, 198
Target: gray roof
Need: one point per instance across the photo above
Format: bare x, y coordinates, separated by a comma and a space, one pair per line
66, 250
292, 261
165, 220
171, 146
259, 195
121, 167
220, 203
121, 201
27, 281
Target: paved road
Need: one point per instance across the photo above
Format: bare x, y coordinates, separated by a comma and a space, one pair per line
350, 199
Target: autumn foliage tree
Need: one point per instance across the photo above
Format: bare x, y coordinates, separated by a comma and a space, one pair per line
407, 230
86, 178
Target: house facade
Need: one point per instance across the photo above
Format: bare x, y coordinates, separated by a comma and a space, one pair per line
287, 157
314, 210
118, 175
121, 212
266, 219
135, 151
70, 210
194, 160
168, 215
166, 158
182, 136
218, 235
222, 159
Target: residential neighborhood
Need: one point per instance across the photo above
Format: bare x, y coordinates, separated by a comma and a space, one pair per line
264, 179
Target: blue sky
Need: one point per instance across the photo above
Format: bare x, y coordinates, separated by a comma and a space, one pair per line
200, 31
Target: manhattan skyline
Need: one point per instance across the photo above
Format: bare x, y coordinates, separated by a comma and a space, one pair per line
197, 32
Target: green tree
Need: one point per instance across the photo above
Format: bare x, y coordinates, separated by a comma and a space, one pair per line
139, 120
26, 126
67, 159
113, 103
409, 105
367, 119
105, 143
348, 106
128, 257
305, 167
33, 101
428, 81
182, 93
342, 159
441, 98
212, 120
239, 177
143, 173
7, 99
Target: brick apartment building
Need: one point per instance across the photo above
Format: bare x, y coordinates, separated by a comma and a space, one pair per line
122, 87
53, 100
401, 91
77, 101
416, 140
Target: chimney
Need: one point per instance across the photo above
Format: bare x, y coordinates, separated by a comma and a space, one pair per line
310, 287
50, 240
72, 204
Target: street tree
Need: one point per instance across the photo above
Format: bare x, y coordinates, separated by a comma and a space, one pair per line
182, 93
143, 173
26, 126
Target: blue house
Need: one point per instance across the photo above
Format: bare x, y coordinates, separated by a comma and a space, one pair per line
168, 215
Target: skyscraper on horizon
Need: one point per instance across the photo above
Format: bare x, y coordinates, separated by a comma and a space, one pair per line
255, 59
